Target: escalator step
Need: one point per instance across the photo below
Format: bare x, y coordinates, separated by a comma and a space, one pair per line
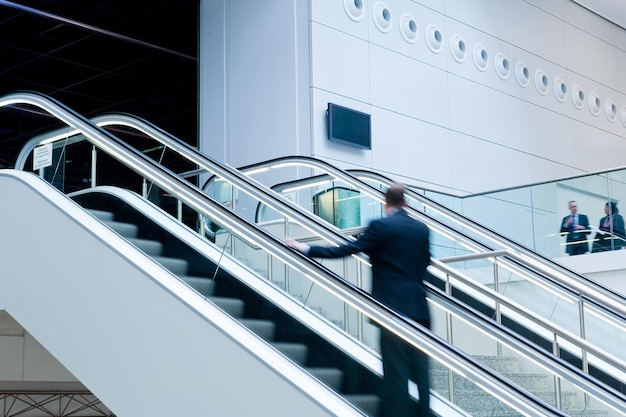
103, 216
176, 265
370, 403
204, 285
330, 376
149, 247
295, 351
264, 328
233, 306
127, 230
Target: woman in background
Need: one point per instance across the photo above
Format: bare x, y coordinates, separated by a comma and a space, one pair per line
611, 234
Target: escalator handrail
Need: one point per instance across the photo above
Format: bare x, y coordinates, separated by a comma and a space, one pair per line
568, 278
170, 141
617, 304
195, 198
323, 228
603, 297
609, 295
581, 343
245, 183
441, 265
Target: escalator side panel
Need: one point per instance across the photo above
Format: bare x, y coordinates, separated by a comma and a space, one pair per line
112, 317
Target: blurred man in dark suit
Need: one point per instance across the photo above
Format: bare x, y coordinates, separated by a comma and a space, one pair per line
398, 247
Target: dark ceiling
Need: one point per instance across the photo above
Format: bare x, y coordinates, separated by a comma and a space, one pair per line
131, 56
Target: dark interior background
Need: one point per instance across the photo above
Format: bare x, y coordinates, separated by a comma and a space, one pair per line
132, 56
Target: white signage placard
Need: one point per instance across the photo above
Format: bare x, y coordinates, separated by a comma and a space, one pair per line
42, 156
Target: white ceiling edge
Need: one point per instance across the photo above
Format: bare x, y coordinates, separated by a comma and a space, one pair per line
612, 10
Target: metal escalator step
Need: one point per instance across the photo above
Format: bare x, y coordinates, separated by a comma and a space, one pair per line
128, 230
264, 328
149, 247
233, 306
103, 216
204, 285
332, 377
370, 403
295, 351
176, 265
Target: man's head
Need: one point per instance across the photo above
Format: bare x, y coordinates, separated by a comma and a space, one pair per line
573, 207
394, 198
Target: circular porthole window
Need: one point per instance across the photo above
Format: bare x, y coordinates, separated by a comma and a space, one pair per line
481, 57
622, 115
382, 17
541, 81
594, 103
578, 97
503, 67
408, 28
560, 89
610, 110
457, 48
354, 9
522, 74
434, 38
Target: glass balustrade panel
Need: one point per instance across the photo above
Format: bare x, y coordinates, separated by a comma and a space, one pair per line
558, 390
520, 288
606, 332
531, 215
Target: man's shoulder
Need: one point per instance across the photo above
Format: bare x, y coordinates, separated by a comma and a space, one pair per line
401, 217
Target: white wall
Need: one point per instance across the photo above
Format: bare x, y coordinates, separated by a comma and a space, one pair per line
438, 121
254, 79
24, 359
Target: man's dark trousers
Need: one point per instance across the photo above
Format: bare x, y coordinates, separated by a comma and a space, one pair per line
401, 363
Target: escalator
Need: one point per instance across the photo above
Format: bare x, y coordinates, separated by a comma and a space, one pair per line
467, 254
150, 337
249, 239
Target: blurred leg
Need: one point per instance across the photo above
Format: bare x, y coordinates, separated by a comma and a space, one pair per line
396, 367
421, 377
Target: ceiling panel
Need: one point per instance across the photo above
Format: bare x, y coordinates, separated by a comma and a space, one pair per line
137, 56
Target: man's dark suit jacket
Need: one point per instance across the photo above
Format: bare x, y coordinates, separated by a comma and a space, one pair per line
399, 251
576, 236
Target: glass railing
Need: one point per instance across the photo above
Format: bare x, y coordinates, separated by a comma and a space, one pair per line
538, 209
260, 249
516, 272
272, 217
527, 366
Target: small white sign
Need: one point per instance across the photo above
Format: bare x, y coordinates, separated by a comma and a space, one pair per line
42, 156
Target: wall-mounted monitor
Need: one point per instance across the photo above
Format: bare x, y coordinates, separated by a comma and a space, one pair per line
349, 127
